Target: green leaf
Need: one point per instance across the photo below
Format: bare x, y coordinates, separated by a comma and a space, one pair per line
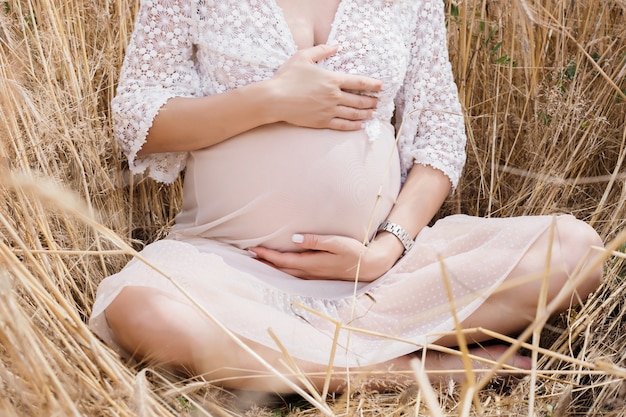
570, 71
496, 48
454, 11
503, 60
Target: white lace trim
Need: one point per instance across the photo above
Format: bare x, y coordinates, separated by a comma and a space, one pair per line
194, 48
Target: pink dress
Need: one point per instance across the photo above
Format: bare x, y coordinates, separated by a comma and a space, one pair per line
262, 186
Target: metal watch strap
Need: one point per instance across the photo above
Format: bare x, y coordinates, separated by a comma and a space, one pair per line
399, 232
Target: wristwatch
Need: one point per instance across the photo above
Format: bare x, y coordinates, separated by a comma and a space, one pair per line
399, 232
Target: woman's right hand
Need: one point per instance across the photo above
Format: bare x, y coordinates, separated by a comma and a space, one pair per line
304, 94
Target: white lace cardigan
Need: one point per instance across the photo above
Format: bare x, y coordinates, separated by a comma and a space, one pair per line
193, 48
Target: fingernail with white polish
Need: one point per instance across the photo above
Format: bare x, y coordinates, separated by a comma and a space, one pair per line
252, 253
297, 238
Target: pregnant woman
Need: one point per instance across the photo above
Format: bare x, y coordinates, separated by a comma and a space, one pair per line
305, 209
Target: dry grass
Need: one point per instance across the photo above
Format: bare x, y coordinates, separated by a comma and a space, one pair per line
543, 84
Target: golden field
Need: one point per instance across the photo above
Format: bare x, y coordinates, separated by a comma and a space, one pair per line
543, 87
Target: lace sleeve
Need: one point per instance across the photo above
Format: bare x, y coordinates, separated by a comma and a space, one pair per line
428, 111
158, 66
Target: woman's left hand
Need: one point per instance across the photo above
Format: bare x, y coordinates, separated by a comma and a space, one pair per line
332, 257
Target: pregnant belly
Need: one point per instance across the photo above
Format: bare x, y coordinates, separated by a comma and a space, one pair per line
264, 185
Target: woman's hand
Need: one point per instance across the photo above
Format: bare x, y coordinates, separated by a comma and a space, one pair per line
334, 257
300, 93
304, 94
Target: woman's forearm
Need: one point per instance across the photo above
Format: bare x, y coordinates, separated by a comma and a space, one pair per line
421, 196
188, 123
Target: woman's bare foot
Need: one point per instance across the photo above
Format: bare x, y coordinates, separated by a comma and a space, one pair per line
444, 367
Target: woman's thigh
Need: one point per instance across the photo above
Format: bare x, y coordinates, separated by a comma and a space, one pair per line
560, 261
176, 335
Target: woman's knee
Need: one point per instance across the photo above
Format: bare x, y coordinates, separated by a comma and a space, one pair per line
127, 311
137, 315
579, 248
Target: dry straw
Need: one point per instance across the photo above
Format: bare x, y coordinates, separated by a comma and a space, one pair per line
543, 89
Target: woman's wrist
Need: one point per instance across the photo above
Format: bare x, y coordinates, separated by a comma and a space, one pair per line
399, 232
271, 101
388, 249
266, 101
